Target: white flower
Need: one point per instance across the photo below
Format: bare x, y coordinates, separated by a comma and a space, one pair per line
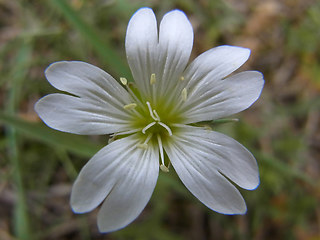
153, 121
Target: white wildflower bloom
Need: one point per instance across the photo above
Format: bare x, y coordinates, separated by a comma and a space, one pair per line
153, 121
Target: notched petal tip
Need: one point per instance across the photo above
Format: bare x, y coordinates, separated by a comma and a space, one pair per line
179, 20
58, 72
41, 109
142, 14
37, 107
51, 69
256, 80
57, 66
255, 184
238, 207
63, 65
143, 9
242, 210
260, 78
77, 209
103, 228
235, 210
80, 204
177, 12
241, 52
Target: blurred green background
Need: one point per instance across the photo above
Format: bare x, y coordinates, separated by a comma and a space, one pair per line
282, 129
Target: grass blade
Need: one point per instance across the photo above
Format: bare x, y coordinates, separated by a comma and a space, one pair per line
73, 143
103, 48
21, 219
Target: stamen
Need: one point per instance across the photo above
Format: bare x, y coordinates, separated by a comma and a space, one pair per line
151, 112
156, 114
136, 99
147, 127
179, 125
184, 94
162, 166
124, 81
153, 79
161, 149
148, 138
166, 127
130, 106
181, 78
126, 132
145, 144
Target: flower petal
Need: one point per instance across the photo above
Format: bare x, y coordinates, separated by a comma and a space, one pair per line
223, 98
175, 45
141, 47
123, 174
166, 57
131, 193
87, 81
81, 116
198, 156
215, 64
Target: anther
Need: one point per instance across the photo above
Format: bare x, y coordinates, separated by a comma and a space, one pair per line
184, 94
153, 79
181, 78
164, 168
152, 113
130, 106
111, 139
207, 127
143, 146
124, 81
